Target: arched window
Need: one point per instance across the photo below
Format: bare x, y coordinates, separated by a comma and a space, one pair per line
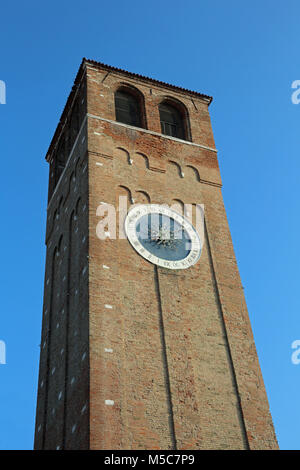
128, 108
171, 120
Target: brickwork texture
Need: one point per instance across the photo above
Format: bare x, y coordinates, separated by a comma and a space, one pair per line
135, 356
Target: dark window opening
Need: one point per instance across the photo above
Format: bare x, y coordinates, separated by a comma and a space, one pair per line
60, 160
171, 121
127, 109
59, 169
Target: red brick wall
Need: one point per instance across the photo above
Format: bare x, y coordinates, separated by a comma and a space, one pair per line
184, 370
155, 358
62, 415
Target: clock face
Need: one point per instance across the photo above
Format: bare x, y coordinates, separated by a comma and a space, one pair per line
163, 236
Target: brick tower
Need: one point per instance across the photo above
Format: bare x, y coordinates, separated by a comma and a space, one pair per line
138, 353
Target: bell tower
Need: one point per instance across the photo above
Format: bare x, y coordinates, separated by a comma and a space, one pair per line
146, 340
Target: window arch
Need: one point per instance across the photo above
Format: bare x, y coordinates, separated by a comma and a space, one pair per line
173, 120
129, 107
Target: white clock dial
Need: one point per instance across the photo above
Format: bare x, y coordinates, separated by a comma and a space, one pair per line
163, 236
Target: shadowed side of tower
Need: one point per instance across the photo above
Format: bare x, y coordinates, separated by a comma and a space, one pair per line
135, 355
62, 416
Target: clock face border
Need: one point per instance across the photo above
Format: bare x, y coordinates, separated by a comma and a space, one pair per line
139, 211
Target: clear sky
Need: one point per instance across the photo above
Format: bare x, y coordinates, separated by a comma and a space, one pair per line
244, 54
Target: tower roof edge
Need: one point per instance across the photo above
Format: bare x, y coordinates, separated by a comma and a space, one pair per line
111, 68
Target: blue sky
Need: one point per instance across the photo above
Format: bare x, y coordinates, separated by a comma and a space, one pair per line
244, 54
